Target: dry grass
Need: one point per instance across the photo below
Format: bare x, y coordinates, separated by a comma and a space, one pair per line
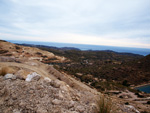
105, 105
4, 71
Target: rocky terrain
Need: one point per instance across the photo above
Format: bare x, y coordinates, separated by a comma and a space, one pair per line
29, 85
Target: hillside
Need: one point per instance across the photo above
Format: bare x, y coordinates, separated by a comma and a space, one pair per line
51, 92
90, 66
45, 80
108, 65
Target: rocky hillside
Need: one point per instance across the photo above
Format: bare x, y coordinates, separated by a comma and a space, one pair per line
94, 67
29, 85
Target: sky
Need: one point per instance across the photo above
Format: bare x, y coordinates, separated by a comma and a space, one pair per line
124, 23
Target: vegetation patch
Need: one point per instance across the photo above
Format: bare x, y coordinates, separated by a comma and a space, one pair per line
4, 71
106, 105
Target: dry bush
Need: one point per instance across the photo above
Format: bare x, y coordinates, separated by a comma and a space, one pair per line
105, 105
4, 71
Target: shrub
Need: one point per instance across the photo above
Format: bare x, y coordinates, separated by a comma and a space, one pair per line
127, 103
148, 102
3, 71
17, 47
125, 83
3, 51
105, 105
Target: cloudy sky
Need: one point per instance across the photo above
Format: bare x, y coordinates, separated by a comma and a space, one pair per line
99, 22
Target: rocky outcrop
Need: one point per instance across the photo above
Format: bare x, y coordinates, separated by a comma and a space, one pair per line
42, 96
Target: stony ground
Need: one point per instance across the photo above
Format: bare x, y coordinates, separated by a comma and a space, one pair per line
43, 96
53, 92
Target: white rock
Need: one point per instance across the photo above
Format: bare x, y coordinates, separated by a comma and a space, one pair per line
133, 108
10, 76
47, 79
31, 76
56, 102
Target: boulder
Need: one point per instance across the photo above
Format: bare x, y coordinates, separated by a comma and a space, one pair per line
10, 76
33, 76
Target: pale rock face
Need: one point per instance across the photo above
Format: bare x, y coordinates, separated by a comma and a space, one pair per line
32, 75
10, 76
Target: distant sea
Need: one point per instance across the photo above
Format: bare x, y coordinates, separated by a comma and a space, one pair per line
140, 51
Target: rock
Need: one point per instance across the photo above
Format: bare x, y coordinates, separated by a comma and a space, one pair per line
64, 88
31, 91
60, 95
22, 104
22, 74
132, 108
71, 104
56, 83
10, 76
74, 112
3, 91
33, 76
47, 79
56, 102
80, 109
40, 110
16, 111
36, 78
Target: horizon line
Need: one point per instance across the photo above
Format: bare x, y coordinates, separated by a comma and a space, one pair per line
80, 44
